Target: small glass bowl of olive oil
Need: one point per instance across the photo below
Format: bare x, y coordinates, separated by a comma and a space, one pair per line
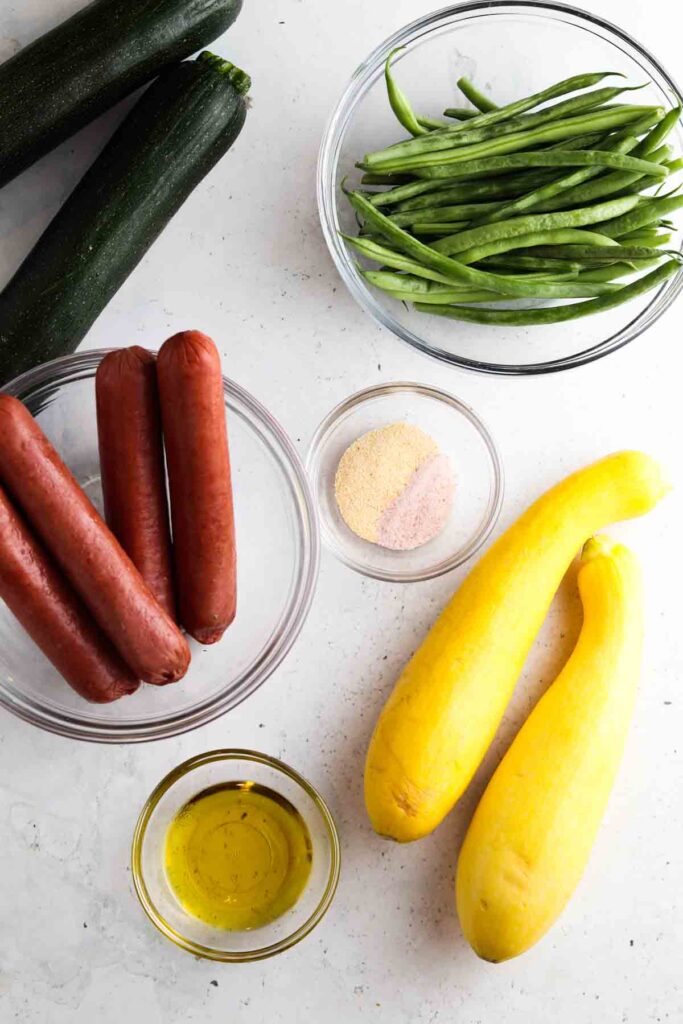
235, 856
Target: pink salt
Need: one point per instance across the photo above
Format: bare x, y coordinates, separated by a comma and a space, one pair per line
421, 510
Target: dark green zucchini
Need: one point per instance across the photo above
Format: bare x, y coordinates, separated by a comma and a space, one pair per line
173, 136
61, 81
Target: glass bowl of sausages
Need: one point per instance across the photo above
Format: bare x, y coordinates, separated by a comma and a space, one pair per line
277, 546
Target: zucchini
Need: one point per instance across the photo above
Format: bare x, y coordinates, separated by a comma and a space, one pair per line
67, 77
173, 136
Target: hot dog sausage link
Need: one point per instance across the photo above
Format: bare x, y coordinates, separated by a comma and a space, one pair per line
196, 439
88, 553
53, 616
132, 466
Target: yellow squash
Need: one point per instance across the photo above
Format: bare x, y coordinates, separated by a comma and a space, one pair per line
448, 702
532, 833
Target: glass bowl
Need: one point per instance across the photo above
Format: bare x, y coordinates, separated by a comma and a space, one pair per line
278, 548
459, 433
510, 50
151, 885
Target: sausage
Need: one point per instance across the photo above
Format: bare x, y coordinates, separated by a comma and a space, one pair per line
196, 439
54, 617
132, 466
88, 553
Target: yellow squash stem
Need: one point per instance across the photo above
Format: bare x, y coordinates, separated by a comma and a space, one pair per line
445, 708
532, 833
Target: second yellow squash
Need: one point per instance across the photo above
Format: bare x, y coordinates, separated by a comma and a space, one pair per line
532, 833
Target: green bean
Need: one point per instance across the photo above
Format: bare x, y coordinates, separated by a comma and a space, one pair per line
616, 254
446, 228
568, 85
649, 182
457, 296
439, 214
439, 300
615, 183
645, 183
434, 190
444, 139
548, 276
411, 288
399, 101
408, 283
646, 236
427, 291
370, 178
381, 254
406, 191
571, 290
490, 298
476, 98
646, 213
567, 128
461, 113
545, 158
615, 271
493, 188
580, 142
555, 314
371, 236
431, 123
389, 258
390, 281
672, 166
452, 137
462, 240
532, 240
514, 262
660, 133
426, 255
659, 197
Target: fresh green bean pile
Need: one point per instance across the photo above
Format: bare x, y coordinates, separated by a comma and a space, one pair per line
532, 200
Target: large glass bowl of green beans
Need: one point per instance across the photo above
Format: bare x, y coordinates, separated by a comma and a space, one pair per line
499, 186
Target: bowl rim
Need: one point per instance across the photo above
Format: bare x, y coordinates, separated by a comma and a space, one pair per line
464, 553
328, 154
197, 949
82, 365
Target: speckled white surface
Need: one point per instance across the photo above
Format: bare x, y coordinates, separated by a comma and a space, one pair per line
245, 261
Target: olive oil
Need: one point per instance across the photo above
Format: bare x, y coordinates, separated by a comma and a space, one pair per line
238, 856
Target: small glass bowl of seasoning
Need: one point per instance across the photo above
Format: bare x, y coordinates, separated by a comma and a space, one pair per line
235, 856
408, 480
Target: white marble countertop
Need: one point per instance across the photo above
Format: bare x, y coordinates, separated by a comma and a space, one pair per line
245, 261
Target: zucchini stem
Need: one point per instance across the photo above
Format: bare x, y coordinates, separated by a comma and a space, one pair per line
240, 79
